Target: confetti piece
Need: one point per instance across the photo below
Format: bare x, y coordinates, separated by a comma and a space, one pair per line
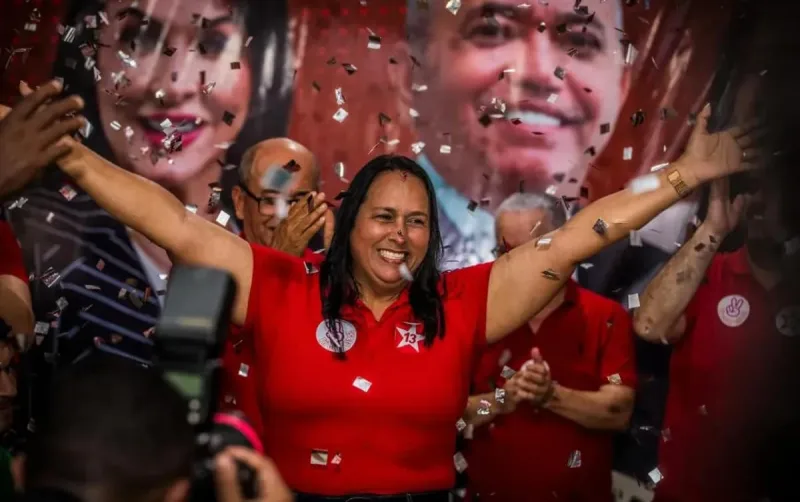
500, 395
646, 183
544, 242
191, 208
319, 457
337, 459
373, 42
62, 303
417, 147
339, 96
507, 372
445, 149
633, 301
41, 328
627, 153
405, 273
453, 6
461, 425
615, 379
655, 475
236, 65
605, 128
574, 460
244, 370
68, 192
349, 68
223, 218
600, 227
552, 98
458, 459
560, 73
635, 239
362, 384
637, 118
550, 274
340, 115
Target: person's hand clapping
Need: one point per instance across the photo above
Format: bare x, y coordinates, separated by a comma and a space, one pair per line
531, 383
711, 156
306, 217
271, 487
31, 134
723, 213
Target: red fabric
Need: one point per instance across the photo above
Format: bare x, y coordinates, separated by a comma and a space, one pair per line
718, 389
313, 258
585, 341
11, 262
399, 435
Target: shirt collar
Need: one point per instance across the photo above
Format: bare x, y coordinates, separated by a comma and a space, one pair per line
456, 207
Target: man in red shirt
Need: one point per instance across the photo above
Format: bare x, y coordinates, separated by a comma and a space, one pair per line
733, 370
258, 209
562, 426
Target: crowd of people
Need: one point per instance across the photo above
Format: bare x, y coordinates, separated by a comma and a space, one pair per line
398, 340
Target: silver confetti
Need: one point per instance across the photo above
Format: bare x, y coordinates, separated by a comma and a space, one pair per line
453, 6
507, 372
574, 460
276, 178
461, 425
126, 59
319, 457
655, 475
445, 149
115, 125
460, 462
337, 459
627, 153
338, 168
615, 379
635, 239
362, 384
340, 115
552, 98
484, 407
339, 96
500, 395
633, 301
417, 147
646, 183
244, 370
223, 218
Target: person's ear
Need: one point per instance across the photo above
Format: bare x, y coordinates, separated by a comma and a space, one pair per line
238, 196
178, 491
18, 472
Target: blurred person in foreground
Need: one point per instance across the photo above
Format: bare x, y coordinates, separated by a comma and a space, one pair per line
366, 431
736, 342
565, 408
111, 448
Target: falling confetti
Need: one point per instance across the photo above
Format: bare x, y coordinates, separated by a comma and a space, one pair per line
633, 301
507, 372
615, 379
453, 6
461, 425
574, 460
319, 457
635, 239
338, 168
362, 384
340, 115
627, 153
637, 118
655, 475
339, 96
244, 370
484, 408
600, 227
459, 461
500, 395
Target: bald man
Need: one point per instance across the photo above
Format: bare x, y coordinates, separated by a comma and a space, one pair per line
258, 208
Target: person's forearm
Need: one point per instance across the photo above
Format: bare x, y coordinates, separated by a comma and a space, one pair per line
614, 216
593, 410
15, 305
471, 414
669, 293
133, 200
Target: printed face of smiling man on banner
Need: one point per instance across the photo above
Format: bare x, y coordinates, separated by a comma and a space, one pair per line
552, 77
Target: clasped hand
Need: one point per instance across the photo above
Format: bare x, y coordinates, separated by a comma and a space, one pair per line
532, 383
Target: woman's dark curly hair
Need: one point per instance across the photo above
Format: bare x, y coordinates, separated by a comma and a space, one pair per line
337, 287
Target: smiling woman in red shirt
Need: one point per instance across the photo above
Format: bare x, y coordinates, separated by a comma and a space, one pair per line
367, 363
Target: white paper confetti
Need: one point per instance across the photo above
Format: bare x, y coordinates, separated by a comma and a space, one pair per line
633, 301
244, 370
68, 192
339, 96
655, 475
445, 149
337, 459
646, 183
615, 379
627, 153
41, 328
500, 396
635, 239
319, 457
484, 407
417, 147
453, 6
507, 372
340, 115
574, 460
552, 98
362, 384
223, 218
191, 208
461, 425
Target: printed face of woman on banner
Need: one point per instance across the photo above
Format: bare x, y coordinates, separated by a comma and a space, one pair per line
203, 88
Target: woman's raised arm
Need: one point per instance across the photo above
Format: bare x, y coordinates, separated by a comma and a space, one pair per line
151, 210
524, 280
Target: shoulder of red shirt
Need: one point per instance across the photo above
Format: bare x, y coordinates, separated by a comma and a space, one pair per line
313, 257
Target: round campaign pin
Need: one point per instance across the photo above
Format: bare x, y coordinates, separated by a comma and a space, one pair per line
733, 310
329, 341
788, 320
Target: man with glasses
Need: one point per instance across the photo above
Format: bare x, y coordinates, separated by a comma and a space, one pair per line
259, 208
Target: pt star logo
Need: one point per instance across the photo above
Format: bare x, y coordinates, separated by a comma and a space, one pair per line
410, 337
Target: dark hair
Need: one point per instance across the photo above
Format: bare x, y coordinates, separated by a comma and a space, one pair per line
111, 429
270, 103
337, 287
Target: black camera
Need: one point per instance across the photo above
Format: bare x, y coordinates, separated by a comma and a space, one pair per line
191, 333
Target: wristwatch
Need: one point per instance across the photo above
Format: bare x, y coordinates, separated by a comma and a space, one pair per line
675, 179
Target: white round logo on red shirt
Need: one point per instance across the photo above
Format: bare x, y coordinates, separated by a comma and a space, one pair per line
733, 310
329, 341
788, 321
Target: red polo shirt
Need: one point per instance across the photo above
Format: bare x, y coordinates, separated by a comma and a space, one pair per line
525, 456
11, 262
721, 394
383, 419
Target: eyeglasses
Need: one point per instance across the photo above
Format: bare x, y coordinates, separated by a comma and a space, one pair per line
266, 205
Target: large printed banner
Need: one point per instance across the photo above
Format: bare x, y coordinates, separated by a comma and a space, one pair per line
569, 98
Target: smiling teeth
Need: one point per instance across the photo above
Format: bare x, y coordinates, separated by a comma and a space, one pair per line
391, 255
534, 118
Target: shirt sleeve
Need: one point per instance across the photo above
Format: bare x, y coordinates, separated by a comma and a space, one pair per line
619, 353
467, 292
274, 273
11, 262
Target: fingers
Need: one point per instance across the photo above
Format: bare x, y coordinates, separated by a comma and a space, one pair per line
58, 129
701, 126
329, 228
57, 110
52, 153
225, 479
536, 355
4, 110
34, 99
270, 484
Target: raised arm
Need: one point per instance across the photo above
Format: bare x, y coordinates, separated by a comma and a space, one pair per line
660, 317
524, 280
151, 210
